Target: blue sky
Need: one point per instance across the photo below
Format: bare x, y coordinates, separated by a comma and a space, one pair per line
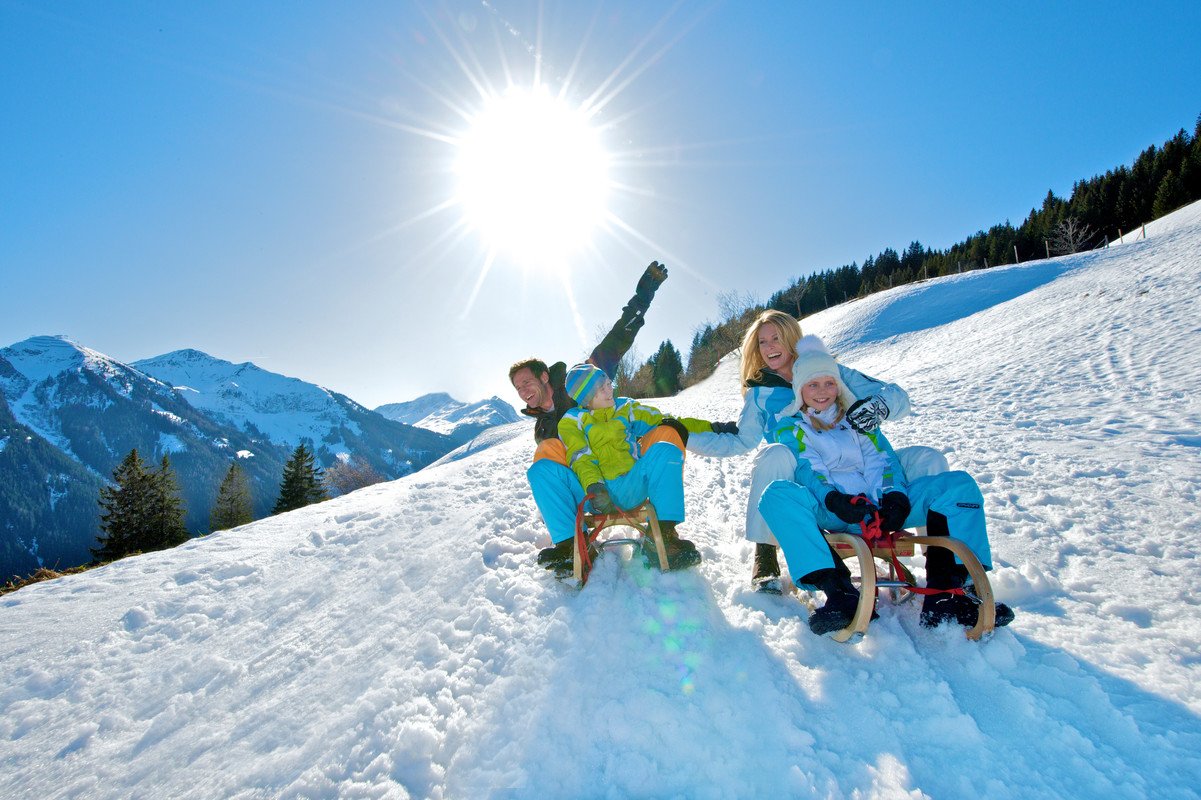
274, 182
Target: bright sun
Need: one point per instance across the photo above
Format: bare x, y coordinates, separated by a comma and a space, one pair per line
533, 177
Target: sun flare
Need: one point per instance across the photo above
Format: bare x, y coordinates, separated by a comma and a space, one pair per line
533, 176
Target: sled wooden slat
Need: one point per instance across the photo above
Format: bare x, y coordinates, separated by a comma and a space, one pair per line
849, 545
867, 588
642, 518
986, 620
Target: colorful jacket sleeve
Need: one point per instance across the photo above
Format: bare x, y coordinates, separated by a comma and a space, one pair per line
864, 386
751, 423
881, 467
643, 418
580, 458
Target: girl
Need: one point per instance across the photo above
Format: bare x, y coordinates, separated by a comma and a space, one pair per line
838, 462
768, 353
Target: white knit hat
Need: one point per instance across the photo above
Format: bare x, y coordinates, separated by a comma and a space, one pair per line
813, 360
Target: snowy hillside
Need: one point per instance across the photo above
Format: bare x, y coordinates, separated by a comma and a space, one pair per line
442, 413
399, 641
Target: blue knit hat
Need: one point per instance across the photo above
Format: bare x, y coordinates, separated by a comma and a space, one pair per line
582, 381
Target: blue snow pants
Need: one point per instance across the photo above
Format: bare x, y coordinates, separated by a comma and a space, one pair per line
658, 476
796, 518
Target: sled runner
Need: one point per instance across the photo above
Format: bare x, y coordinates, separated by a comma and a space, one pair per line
588, 527
890, 549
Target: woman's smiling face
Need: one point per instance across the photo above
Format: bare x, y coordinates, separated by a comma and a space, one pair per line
775, 353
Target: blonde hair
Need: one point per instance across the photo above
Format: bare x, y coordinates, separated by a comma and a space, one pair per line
752, 360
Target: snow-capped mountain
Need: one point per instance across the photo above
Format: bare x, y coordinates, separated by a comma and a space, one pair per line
401, 641
69, 414
442, 413
287, 410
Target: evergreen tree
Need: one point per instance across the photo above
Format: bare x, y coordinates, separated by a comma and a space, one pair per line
667, 370
141, 512
233, 507
167, 527
1170, 195
301, 485
124, 510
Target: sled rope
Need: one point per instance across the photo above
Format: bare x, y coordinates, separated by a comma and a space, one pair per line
583, 538
877, 538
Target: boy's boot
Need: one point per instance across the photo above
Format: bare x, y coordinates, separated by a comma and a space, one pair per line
943, 573
558, 559
765, 572
681, 553
842, 598
552, 557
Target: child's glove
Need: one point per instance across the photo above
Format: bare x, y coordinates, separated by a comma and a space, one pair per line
841, 506
894, 508
602, 503
724, 427
866, 415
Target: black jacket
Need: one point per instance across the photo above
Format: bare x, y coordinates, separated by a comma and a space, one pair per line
606, 356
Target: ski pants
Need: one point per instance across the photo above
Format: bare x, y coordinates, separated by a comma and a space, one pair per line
797, 518
657, 476
776, 462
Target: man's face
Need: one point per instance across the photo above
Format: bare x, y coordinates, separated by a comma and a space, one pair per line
535, 391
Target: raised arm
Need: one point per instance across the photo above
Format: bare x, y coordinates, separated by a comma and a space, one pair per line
620, 338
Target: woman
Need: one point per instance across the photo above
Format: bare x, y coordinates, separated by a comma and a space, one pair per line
768, 354
839, 470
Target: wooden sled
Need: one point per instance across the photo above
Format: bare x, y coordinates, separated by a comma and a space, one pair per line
642, 518
849, 545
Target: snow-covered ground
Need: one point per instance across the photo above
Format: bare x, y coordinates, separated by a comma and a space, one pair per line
399, 641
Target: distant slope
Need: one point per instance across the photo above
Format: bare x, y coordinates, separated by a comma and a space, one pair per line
442, 413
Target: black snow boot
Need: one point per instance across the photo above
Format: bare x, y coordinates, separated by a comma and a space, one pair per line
842, 598
551, 557
942, 572
681, 553
765, 572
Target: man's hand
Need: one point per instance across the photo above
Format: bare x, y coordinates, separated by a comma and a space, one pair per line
866, 415
894, 508
651, 279
840, 505
602, 503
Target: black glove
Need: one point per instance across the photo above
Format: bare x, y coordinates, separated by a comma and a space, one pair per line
654, 275
840, 505
724, 427
602, 503
866, 415
894, 508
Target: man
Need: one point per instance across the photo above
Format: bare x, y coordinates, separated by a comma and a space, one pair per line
557, 491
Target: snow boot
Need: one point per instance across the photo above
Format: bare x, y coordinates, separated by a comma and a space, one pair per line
681, 553
942, 572
765, 572
842, 599
558, 559
552, 557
